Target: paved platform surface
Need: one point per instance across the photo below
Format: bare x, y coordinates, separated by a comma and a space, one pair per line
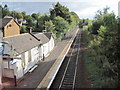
48, 79
33, 79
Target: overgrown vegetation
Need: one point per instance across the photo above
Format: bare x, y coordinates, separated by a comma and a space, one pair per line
102, 56
59, 21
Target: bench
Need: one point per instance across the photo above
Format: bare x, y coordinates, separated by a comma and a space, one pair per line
33, 68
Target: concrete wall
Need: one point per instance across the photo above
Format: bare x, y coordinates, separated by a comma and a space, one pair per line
11, 29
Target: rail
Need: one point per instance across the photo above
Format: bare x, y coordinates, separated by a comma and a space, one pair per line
68, 79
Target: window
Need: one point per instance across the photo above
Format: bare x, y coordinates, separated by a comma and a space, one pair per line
9, 25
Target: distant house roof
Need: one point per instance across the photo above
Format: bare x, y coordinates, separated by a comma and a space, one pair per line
22, 43
5, 21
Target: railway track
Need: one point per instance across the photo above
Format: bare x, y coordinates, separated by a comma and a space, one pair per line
69, 75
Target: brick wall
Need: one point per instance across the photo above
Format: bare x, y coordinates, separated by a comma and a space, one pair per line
11, 29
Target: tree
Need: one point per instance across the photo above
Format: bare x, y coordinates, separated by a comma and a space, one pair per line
16, 15
74, 19
41, 22
23, 29
19, 16
5, 11
62, 11
36, 16
50, 27
61, 26
30, 21
104, 51
13, 14
0, 11
23, 14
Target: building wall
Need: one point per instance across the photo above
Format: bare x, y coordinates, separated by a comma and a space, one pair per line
1, 36
51, 44
27, 60
11, 68
11, 29
46, 49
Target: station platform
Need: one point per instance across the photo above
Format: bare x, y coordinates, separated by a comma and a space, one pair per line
48, 79
46, 70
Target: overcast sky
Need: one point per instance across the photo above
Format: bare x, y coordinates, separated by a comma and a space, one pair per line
84, 8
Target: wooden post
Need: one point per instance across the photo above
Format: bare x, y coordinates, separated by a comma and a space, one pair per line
15, 80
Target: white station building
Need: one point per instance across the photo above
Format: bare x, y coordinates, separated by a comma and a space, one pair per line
24, 51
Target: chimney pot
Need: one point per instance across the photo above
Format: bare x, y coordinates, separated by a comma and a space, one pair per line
30, 30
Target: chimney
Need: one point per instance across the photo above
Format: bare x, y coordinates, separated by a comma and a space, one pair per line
30, 32
29, 29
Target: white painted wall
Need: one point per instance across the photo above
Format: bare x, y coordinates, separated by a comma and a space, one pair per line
52, 43
45, 49
36, 55
12, 68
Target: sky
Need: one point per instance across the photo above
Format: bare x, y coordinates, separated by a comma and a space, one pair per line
84, 8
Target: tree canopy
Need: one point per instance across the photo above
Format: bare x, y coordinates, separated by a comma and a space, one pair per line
102, 37
59, 20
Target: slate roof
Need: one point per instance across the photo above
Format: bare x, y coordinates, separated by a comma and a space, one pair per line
49, 35
25, 42
42, 37
5, 21
22, 43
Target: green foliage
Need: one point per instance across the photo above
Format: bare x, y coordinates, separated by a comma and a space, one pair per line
36, 16
74, 19
23, 14
23, 29
40, 25
61, 26
5, 11
30, 21
19, 16
50, 27
59, 22
62, 11
0, 11
102, 56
